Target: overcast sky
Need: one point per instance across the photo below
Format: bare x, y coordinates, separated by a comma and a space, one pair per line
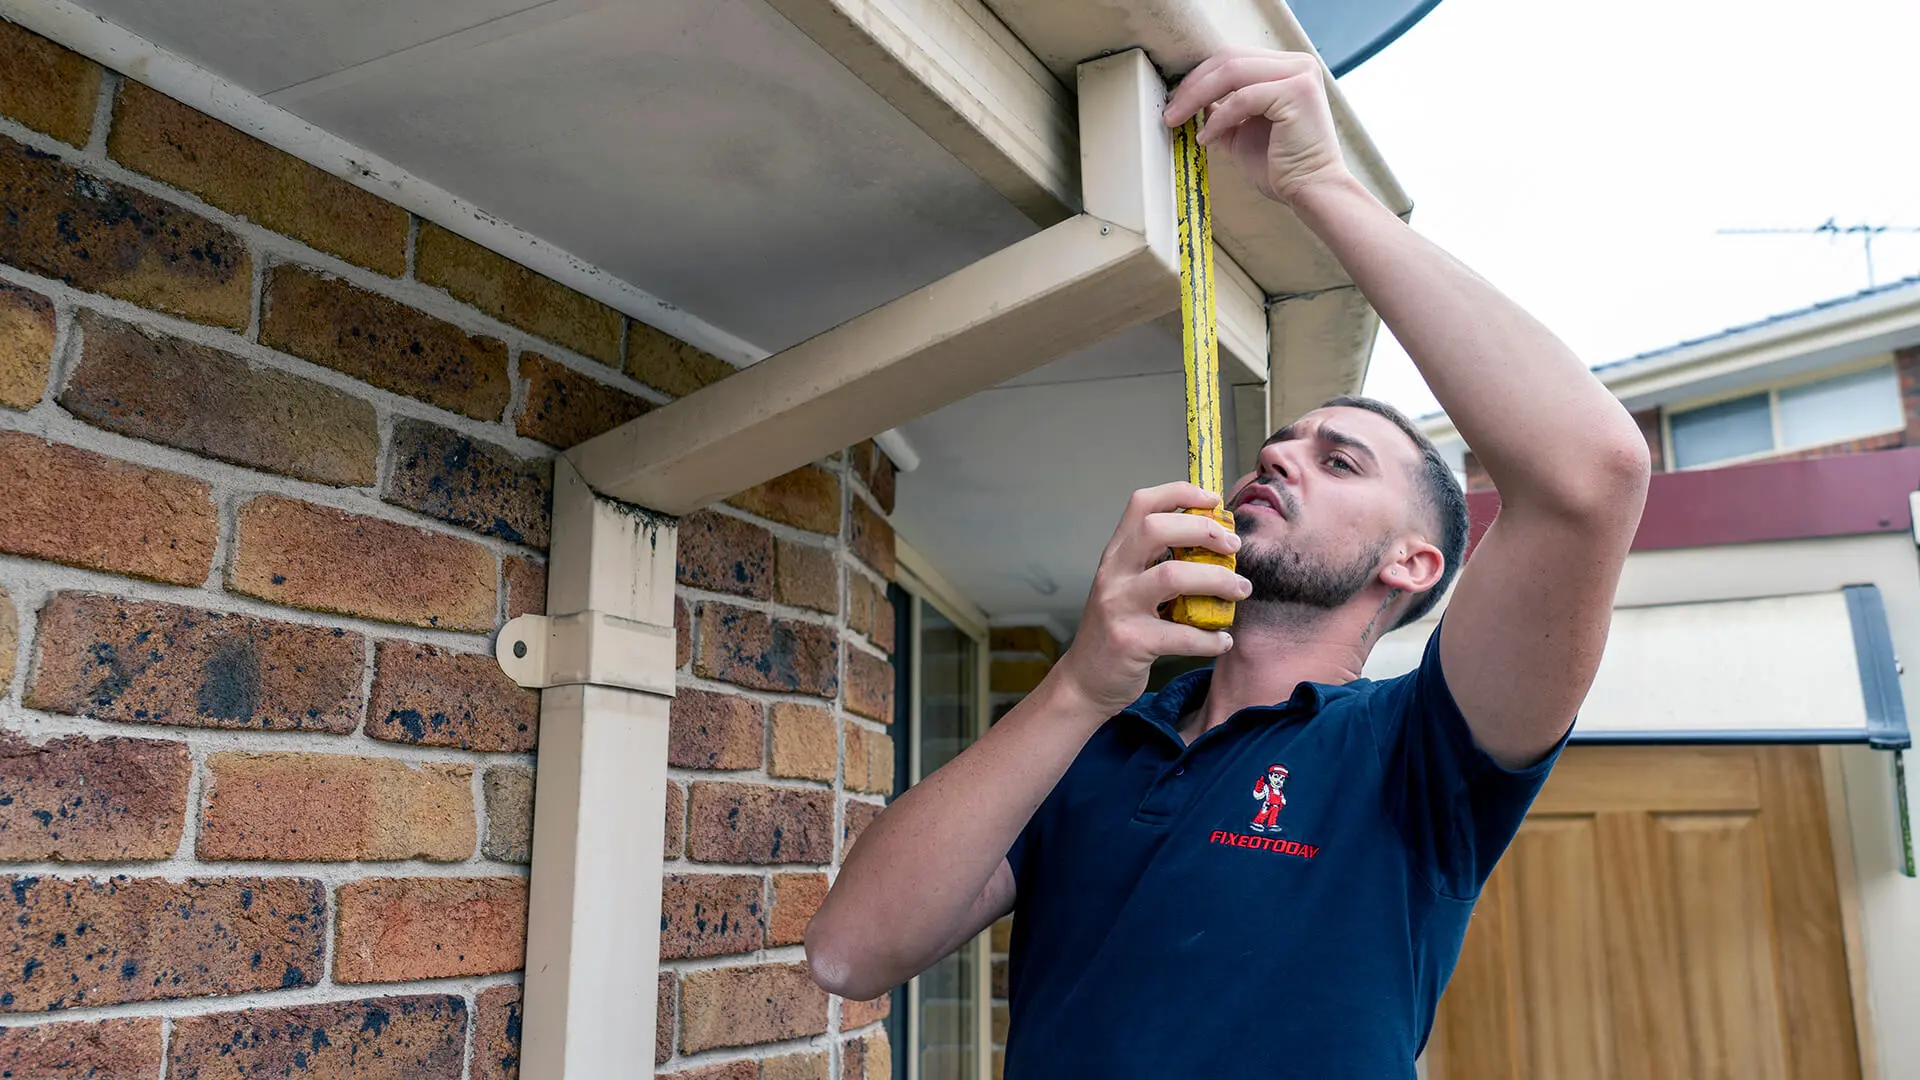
1582, 155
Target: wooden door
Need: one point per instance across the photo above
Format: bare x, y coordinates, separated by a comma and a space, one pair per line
1663, 913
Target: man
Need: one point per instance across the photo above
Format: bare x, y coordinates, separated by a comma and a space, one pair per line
1117, 828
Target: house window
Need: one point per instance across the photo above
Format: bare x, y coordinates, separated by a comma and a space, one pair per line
1806, 414
940, 1026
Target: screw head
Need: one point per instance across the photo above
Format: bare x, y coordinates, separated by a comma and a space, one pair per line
520, 649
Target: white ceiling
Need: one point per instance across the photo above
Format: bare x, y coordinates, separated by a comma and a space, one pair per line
708, 153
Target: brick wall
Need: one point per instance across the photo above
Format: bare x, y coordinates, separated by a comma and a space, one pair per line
275, 463
1020, 657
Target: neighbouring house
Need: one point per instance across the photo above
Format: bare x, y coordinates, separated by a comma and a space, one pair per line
1718, 878
494, 497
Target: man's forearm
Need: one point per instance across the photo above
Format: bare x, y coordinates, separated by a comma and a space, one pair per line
911, 885
1544, 428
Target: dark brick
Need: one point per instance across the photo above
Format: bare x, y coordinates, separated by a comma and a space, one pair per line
527, 587
711, 915
496, 1034
421, 1037
752, 649
710, 730
176, 393
873, 468
565, 408
398, 929
122, 1049
383, 342
871, 538
668, 364
751, 823
682, 633
26, 341
666, 1020
79, 508
316, 557
436, 697
48, 88
104, 237
154, 134
147, 662
859, 815
869, 686
84, 799
509, 795
675, 841
101, 942
726, 554
806, 498
514, 294
486, 488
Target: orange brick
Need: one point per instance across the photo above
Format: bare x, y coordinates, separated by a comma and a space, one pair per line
156, 135
869, 766
871, 538
806, 498
177, 393
857, 1014
123, 1049
48, 88
806, 576
805, 745
731, 1070
147, 662
389, 1038
469, 483
565, 408
315, 557
668, 364
72, 506
514, 294
436, 697
711, 730
383, 342
153, 940
94, 234
741, 1006
752, 823
676, 830
9, 642
682, 633
761, 652
83, 799
333, 808
871, 1058
811, 1066
711, 915
527, 587
496, 1034
26, 342
870, 682
396, 929
795, 899
873, 468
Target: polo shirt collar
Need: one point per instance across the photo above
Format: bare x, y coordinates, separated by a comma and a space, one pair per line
1165, 708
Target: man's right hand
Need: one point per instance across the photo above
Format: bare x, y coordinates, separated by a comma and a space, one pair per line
1121, 632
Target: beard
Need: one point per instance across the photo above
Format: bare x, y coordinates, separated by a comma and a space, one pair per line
1283, 574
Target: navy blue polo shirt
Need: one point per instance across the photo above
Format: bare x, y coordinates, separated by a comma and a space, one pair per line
1174, 918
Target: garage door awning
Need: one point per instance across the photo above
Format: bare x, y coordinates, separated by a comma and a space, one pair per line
1807, 668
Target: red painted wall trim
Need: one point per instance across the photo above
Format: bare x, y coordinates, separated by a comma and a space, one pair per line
1847, 495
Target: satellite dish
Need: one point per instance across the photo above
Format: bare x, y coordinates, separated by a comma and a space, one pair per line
1348, 32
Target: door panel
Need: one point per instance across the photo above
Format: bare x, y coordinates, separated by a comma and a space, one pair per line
1663, 913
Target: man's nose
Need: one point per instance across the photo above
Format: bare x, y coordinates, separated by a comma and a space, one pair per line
1276, 459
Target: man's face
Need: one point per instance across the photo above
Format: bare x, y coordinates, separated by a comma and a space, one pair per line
1332, 492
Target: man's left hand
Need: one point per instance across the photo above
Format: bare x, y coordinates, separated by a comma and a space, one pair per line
1269, 110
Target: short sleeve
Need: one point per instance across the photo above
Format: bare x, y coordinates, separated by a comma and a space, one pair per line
1456, 808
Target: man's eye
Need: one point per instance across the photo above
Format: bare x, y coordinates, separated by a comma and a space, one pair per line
1336, 461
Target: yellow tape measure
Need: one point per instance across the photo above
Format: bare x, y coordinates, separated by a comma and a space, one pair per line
1200, 350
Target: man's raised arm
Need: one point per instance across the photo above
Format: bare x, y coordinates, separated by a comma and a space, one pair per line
1524, 631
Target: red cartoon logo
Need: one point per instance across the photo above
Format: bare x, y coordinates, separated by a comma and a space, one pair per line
1270, 789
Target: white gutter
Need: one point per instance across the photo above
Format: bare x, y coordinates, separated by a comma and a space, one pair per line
1834, 334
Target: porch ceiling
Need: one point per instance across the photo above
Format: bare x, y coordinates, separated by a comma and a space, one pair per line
712, 155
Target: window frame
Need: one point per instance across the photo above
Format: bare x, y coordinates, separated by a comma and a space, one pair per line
1772, 391
921, 585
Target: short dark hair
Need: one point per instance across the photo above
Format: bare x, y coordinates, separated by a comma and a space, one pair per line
1445, 503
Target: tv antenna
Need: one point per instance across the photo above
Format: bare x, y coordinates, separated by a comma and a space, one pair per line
1833, 229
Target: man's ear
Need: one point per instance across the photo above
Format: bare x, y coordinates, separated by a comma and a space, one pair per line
1414, 566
